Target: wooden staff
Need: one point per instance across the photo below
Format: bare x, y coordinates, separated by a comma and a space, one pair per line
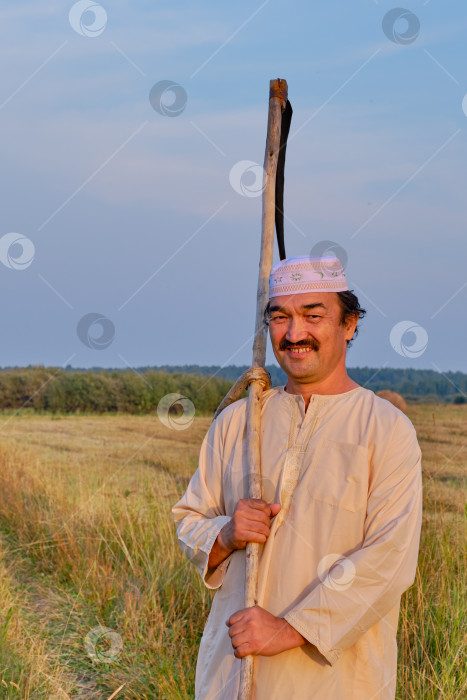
277, 102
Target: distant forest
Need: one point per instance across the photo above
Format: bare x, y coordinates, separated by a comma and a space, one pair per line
413, 384
139, 391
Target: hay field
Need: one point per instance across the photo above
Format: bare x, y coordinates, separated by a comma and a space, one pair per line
87, 541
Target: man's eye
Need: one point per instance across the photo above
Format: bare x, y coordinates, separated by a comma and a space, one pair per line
278, 318
312, 316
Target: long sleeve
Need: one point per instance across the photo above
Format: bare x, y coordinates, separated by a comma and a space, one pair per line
350, 596
200, 513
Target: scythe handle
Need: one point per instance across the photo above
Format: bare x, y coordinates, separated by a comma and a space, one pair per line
277, 102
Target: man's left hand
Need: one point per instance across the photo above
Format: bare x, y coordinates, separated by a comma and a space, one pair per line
255, 631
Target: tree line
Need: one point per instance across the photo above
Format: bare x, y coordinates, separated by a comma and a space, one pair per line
59, 391
139, 391
413, 384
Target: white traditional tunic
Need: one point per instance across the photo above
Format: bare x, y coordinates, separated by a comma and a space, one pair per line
340, 553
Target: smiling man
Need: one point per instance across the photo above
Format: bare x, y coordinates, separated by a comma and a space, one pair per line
339, 519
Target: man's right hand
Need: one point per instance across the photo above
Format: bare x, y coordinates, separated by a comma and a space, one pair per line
251, 522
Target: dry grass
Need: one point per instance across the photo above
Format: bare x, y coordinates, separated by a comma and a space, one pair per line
87, 540
432, 631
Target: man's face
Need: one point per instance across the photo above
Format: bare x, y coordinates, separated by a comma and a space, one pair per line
307, 335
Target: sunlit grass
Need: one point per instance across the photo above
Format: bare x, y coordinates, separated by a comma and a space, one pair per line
88, 540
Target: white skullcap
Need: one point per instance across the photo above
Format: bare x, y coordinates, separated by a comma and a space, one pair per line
306, 273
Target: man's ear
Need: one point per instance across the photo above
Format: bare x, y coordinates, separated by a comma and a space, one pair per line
350, 326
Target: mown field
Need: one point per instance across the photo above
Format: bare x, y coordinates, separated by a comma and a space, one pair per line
87, 542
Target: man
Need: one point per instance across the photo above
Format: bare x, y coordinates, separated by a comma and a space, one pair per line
339, 519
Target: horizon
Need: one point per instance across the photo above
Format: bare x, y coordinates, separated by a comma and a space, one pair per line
220, 367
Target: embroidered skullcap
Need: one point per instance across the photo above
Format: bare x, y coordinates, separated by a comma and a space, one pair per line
306, 273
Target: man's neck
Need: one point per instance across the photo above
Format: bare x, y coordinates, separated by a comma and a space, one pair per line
328, 386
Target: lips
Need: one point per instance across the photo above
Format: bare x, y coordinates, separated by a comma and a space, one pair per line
300, 348
295, 352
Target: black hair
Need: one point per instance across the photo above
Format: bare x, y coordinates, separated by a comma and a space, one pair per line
350, 306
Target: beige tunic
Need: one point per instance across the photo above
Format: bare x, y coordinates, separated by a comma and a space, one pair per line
340, 554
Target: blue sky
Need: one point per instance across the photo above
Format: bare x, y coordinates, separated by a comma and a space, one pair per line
127, 213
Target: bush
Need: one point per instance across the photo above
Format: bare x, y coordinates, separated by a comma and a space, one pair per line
52, 389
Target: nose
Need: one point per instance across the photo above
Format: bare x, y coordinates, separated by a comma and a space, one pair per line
296, 330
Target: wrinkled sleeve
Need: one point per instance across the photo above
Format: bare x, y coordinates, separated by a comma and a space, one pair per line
345, 604
200, 513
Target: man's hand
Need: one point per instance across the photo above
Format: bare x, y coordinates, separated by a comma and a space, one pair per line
255, 631
251, 522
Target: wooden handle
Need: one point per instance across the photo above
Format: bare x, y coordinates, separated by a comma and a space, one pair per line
278, 92
277, 100
278, 88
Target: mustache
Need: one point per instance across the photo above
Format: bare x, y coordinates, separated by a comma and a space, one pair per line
311, 343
